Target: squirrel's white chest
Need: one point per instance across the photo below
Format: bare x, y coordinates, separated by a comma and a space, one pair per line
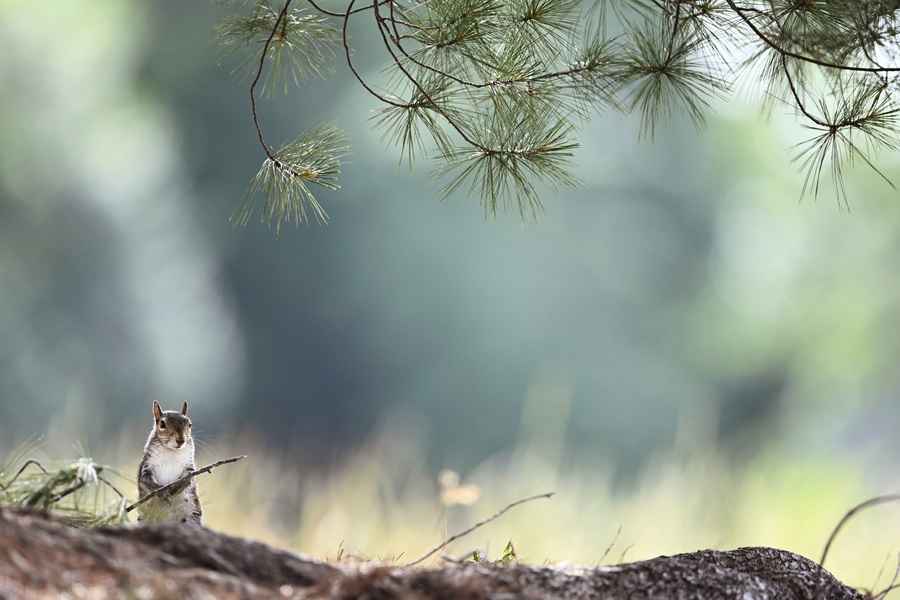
169, 465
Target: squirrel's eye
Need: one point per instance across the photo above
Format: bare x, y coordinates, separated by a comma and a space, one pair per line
162, 424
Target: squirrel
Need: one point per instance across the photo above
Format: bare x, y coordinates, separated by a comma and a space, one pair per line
168, 456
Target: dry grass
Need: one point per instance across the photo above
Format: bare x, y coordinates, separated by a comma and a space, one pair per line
383, 503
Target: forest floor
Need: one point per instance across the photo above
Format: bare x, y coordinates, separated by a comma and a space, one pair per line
42, 556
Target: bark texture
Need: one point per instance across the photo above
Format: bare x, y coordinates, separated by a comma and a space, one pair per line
41, 557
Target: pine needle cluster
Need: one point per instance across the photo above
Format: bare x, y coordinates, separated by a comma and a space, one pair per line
495, 90
304, 44
285, 178
78, 491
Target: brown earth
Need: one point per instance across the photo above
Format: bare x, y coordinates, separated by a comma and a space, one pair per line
42, 557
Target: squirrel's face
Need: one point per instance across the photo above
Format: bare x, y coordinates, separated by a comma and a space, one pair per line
172, 428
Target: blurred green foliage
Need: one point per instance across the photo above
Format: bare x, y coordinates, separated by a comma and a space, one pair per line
681, 297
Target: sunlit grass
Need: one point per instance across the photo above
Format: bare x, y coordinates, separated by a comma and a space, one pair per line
383, 503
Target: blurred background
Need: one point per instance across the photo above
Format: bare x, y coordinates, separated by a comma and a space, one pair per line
680, 348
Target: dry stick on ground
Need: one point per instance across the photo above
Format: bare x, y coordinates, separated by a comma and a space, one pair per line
881, 570
610, 547
870, 503
624, 552
890, 587
478, 525
181, 480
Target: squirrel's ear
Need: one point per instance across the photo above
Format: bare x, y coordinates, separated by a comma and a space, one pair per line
157, 411
184, 408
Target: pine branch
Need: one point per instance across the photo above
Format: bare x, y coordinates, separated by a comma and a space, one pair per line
665, 71
303, 44
522, 149
805, 58
495, 89
259, 70
314, 158
283, 180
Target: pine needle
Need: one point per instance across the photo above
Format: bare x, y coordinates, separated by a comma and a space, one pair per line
304, 44
284, 182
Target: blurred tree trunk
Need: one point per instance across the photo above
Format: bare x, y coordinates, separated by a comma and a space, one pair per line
40, 556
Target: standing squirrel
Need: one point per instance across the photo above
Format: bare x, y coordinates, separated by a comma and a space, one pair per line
168, 456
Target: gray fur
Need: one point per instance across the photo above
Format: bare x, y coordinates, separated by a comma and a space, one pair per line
168, 456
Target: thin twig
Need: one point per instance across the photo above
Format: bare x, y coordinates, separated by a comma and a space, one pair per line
450, 559
67, 492
784, 52
624, 552
379, 21
353, 68
881, 570
870, 503
27, 464
111, 486
397, 39
184, 479
800, 105
611, 544
674, 32
282, 19
331, 13
883, 593
259, 70
892, 585
478, 525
